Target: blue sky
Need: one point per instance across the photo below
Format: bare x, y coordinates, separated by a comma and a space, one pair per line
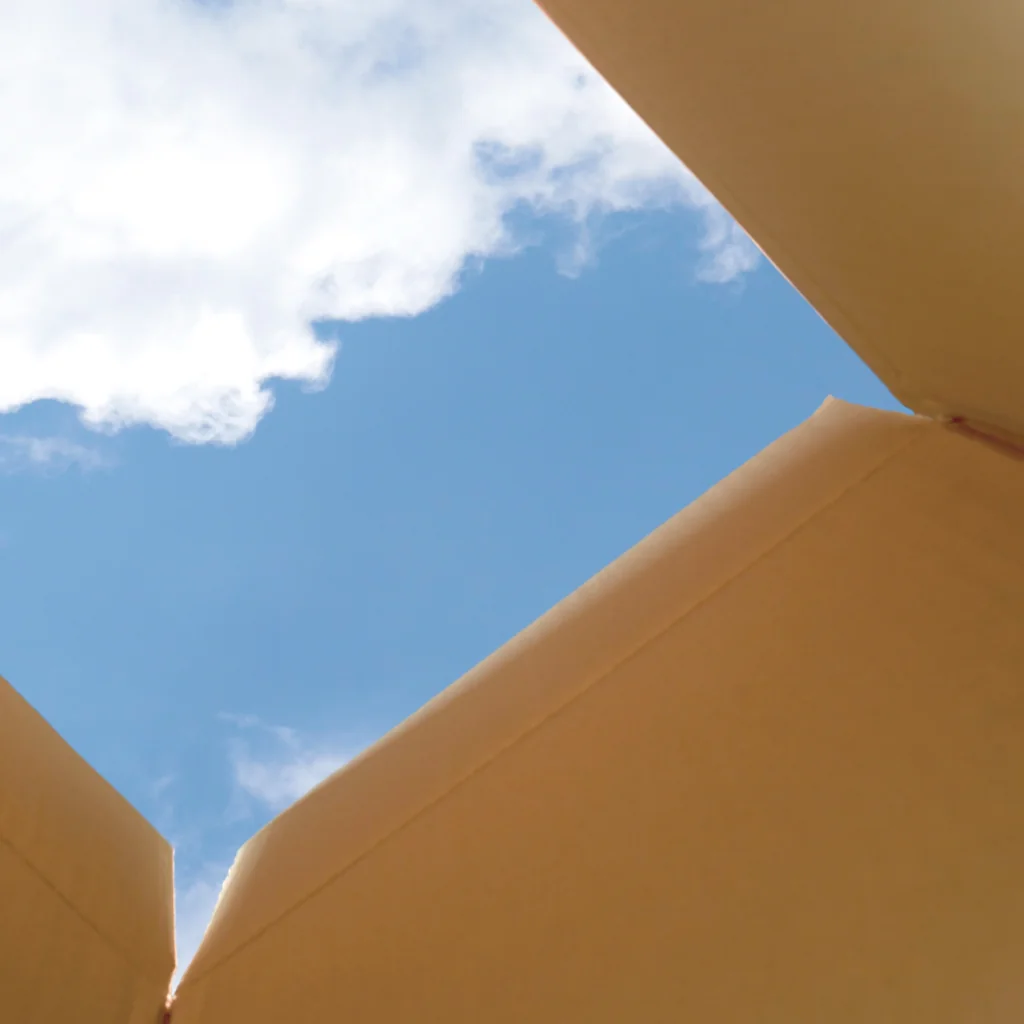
215, 626
172, 611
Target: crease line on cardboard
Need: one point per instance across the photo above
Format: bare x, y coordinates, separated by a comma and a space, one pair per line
148, 973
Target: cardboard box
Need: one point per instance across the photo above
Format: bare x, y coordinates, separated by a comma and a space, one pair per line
768, 765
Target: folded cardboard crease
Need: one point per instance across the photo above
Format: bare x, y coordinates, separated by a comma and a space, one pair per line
769, 764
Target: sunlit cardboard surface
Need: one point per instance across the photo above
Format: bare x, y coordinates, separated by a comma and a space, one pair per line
766, 767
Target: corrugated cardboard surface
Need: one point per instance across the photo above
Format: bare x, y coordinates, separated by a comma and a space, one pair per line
872, 148
766, 767
86, 888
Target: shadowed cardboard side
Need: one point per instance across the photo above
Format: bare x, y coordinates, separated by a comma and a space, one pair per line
86, 887
871, 149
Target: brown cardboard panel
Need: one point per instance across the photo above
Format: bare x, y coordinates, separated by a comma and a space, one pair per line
86, 887
873, 149
767, 766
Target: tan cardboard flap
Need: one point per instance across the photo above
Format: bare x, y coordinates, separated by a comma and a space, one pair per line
86, 887
872, 148
768, 766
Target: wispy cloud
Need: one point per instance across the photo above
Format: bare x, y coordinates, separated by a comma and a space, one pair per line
21, 453
276, 765
271, 766
281, 781
160, 786
727, 250
185, 186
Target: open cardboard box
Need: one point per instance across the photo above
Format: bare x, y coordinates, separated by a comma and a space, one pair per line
768, 765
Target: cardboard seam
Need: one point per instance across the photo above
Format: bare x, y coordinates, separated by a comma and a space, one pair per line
1005, 444
81, 915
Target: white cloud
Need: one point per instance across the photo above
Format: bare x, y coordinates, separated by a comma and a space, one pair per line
280, 782
276, 765
186, 184
728, 250
47, 454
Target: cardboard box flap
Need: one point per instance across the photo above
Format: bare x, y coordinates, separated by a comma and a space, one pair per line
763, 767
86, 919
872, 149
